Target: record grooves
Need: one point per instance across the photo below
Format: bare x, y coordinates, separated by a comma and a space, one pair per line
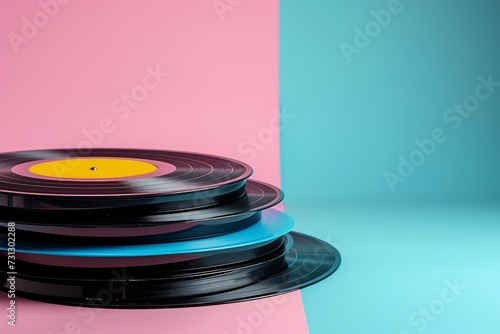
137, 234
307, 262
149, 229
135, 221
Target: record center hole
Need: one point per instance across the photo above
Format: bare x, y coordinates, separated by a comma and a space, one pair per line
93, 168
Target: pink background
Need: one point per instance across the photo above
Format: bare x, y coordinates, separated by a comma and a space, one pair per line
62, 85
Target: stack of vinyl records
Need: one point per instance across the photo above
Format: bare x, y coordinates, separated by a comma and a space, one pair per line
126, 228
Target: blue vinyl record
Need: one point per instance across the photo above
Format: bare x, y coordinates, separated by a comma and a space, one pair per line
274, 224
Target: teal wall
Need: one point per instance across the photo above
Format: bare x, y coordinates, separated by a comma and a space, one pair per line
358, 110
356, 113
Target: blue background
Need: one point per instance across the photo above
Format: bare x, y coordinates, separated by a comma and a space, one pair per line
353, 120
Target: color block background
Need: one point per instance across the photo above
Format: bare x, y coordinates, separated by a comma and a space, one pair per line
352, 105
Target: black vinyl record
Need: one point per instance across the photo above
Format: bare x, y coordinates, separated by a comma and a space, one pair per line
172, 232
301, 261
64, 267
180, 180
141, 221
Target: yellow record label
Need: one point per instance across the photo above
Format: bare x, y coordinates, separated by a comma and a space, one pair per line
92, 168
